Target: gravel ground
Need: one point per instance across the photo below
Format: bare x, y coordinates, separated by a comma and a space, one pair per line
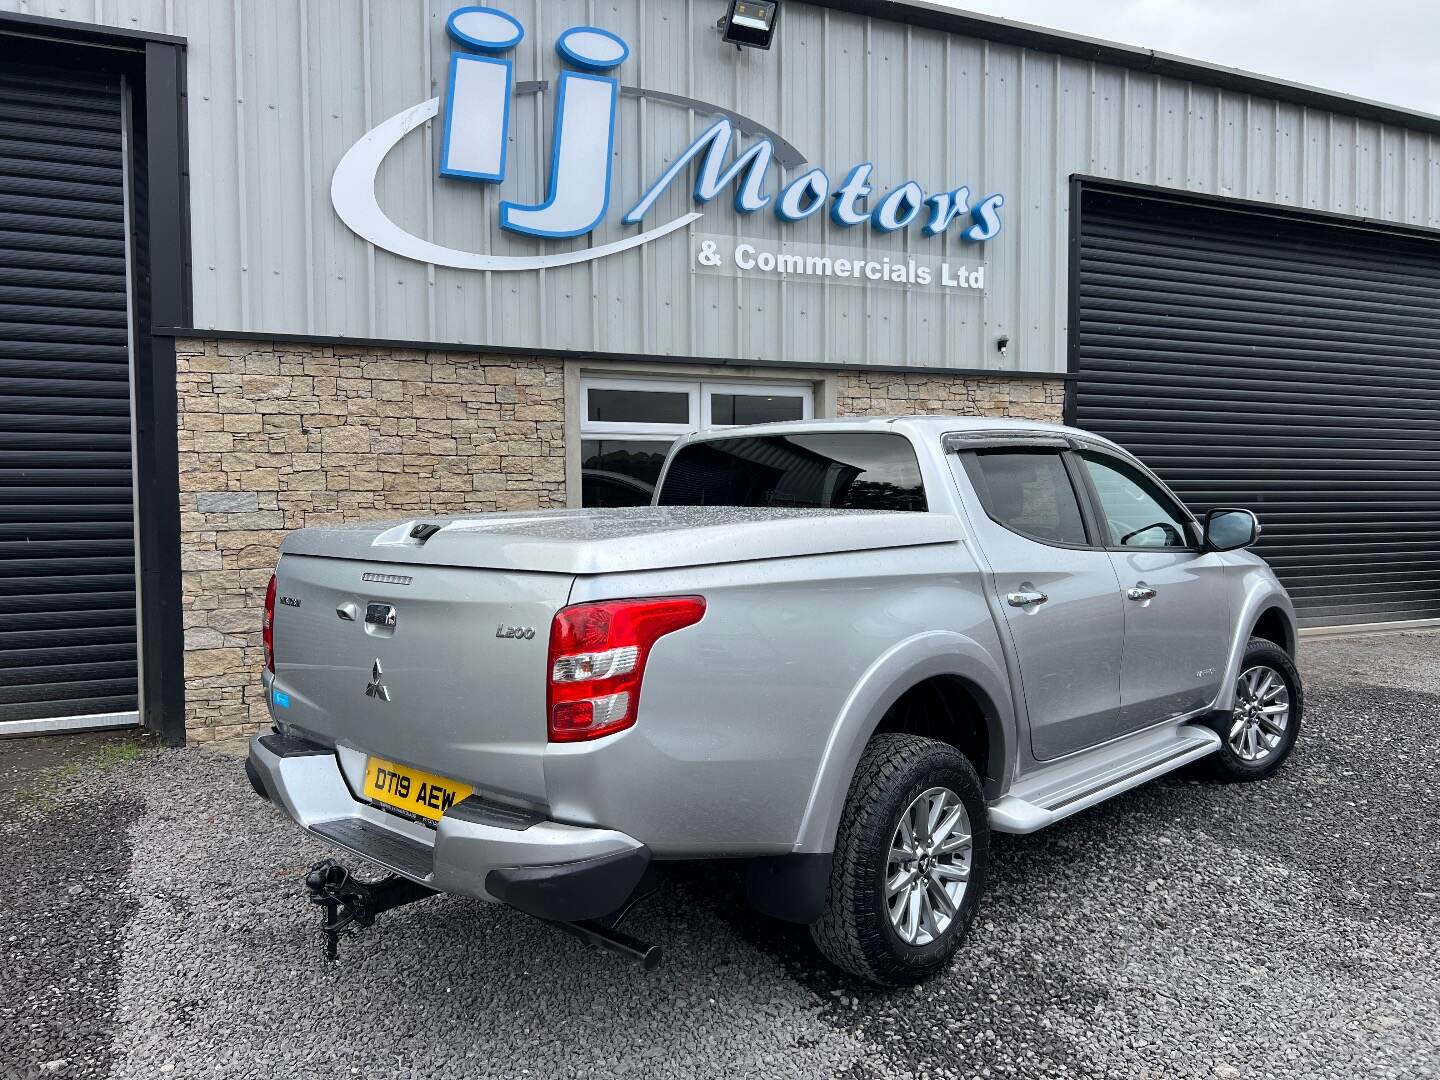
1283, 929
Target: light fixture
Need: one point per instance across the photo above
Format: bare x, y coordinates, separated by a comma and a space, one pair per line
1002, 343
750, 23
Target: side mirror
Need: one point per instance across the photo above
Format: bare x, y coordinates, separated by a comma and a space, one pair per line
1226, 530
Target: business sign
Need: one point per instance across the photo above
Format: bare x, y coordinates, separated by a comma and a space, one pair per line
743, 257
479, 91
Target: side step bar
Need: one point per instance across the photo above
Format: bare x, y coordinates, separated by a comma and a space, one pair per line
1024, 812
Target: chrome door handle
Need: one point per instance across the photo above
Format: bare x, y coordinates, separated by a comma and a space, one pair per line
1026, 598
1140, 591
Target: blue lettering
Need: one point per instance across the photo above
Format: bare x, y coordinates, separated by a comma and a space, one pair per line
899, 208
813, 185
948, 205
851, 190
713, 177
987, 219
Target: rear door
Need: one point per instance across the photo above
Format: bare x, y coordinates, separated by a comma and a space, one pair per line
1177, 618
1058, 591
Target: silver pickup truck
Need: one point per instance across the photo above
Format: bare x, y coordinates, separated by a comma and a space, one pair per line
844, 651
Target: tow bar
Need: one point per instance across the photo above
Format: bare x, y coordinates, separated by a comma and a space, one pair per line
351, 905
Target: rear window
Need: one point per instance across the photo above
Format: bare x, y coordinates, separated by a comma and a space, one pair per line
861, 470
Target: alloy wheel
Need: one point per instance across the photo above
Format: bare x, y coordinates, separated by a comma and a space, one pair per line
928, 867
1262, 714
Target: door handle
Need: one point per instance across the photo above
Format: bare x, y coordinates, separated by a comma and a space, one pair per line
1140, 591
1026, 598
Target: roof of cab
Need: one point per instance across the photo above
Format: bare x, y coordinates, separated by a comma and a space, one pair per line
916, 426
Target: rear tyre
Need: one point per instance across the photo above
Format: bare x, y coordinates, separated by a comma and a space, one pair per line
910, 862
1259, 734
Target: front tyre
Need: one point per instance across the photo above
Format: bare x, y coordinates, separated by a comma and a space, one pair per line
910, 862
1259, 734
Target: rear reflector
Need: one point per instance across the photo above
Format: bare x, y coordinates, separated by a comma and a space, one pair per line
267, 633
597, 661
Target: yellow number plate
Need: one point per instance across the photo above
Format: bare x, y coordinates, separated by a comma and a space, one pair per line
410, 789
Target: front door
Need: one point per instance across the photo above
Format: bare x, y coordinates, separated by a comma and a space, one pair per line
1059, 594
1176, 615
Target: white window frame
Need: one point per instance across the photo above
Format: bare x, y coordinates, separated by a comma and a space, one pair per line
814, 389
697, 391
804, 391
637, 430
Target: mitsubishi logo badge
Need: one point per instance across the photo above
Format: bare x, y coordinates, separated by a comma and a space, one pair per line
375, 688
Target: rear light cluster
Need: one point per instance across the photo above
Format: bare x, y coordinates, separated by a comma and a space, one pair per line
268, 631
597, 659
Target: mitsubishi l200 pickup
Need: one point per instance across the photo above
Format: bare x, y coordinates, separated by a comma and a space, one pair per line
844, 651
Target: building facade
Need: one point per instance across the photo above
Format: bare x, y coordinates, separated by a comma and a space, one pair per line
372, 258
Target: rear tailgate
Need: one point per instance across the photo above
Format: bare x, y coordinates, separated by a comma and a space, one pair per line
460, 697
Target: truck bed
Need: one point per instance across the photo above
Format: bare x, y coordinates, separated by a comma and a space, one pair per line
623, 540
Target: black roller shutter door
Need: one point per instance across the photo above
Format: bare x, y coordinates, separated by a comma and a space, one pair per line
1284, 364
67, 552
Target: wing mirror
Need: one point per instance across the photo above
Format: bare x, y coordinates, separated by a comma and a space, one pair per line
1226, 530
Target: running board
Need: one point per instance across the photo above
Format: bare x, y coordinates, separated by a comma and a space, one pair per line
1070, 786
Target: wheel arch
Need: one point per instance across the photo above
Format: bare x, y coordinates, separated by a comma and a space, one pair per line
1273, 624
1264, 611
943, 667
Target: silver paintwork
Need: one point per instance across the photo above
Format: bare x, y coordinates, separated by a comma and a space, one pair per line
1262, 714
751, 721
928, 868
313, 790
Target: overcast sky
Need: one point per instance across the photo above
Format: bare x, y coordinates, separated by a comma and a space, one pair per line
1387, 50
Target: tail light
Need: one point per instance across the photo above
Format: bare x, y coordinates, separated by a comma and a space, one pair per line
268, 633
597, 660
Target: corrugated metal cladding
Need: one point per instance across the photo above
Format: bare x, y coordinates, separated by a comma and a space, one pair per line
67, 551
280, 88
1288, 366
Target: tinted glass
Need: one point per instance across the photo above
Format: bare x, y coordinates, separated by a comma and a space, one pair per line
1136, 512
638, 406
1031, 493
754, 408
620, 472
846, 471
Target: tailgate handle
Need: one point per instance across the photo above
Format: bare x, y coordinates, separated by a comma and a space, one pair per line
423, 531
380, 615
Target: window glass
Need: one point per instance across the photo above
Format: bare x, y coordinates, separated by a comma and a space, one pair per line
858, 470
1030, 493
638, 406
1137, 513
755, 408
620, 472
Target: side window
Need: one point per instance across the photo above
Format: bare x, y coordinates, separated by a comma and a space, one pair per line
1029, 492
1136, 512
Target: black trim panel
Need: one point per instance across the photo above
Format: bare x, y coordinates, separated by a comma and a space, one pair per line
570, 892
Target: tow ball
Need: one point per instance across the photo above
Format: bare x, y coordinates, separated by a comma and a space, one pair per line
352, 905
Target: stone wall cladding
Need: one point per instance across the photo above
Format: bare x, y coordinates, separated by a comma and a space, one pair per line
882, 393
275, 436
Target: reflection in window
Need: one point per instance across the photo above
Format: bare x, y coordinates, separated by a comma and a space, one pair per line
1137, 513
755, 408
637, 406
843, 471
1030, 493
620, 472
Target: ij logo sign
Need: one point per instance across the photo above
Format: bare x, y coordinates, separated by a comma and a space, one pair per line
578, 188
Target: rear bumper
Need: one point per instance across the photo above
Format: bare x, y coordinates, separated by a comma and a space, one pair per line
546, 868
